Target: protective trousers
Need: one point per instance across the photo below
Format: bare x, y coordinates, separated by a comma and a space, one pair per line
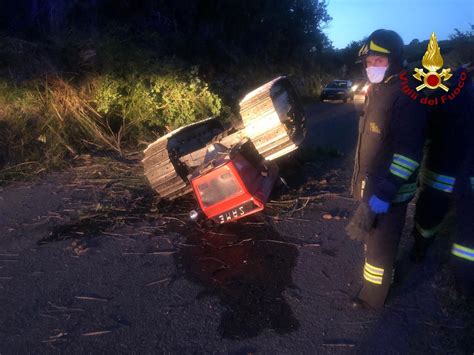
462, 252
432, 207
381, 249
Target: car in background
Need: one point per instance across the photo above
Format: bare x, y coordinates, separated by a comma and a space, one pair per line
338, 90
360, 90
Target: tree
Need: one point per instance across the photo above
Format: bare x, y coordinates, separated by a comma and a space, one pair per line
274, 30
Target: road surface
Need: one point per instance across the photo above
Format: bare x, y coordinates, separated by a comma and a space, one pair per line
90, 264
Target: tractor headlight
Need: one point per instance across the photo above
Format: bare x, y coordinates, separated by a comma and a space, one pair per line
193, 215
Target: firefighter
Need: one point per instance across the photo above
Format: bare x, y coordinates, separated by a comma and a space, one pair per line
462, 251
447, 180
388, 156
447, 140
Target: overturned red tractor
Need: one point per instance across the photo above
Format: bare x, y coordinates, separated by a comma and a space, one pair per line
230, 170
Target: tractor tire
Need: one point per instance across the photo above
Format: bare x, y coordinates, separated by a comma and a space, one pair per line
169, 160
162, 173
273, 118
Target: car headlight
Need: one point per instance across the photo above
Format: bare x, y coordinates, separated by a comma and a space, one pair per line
365, 88
354, 88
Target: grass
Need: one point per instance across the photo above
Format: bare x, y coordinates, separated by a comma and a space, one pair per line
47, 118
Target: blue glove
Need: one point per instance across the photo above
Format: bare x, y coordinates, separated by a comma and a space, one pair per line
377, 205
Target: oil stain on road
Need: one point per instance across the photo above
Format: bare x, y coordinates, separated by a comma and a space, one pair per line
248, 266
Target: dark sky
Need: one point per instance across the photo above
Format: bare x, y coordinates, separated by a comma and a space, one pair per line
355, 19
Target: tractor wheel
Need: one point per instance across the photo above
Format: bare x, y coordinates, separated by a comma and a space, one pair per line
162, 173
169, 160
273, 118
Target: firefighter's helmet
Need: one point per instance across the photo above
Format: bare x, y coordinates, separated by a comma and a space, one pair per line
385, 43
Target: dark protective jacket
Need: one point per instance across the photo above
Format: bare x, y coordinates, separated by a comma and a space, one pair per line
449, 133
390, 147
458, 147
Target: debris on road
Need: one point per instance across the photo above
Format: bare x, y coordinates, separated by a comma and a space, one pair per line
97, 333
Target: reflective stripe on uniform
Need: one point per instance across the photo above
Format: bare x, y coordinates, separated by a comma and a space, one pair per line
428, 233
402, 166
463, 252
362, 188
405, 161
441, 178
405, 193
363, 50
399, 171
440, 182
377, 48
374, 279
407, 188
438, 185
373, 274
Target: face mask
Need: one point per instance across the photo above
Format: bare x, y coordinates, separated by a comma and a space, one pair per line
375, 74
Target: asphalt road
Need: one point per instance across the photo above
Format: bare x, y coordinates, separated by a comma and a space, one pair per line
92, 265
333, 125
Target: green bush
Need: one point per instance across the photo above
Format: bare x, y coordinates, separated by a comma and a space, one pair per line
42, 121
170, 98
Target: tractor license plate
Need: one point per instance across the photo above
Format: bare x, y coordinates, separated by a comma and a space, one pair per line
235, 213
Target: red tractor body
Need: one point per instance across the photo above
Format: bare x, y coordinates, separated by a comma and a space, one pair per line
231, 187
